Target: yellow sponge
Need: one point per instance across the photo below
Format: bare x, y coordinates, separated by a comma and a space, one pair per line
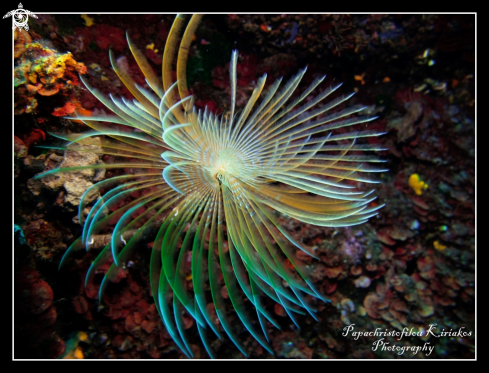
416, 184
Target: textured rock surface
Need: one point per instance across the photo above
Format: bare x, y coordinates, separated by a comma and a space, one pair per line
72, 185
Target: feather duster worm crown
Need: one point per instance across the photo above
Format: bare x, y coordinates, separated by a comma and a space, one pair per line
209, 190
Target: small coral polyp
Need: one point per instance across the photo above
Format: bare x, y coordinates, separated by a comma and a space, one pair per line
211, 188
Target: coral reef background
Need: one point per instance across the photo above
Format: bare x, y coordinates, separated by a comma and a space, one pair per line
411, 267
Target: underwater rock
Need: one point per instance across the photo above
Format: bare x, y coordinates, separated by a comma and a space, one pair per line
20, 148
35, 316
41, 70
405, 126
383, 236
333, 272
46, 239
419, 202
346, 307
370, 305
41, 296
74, 184
362, 282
